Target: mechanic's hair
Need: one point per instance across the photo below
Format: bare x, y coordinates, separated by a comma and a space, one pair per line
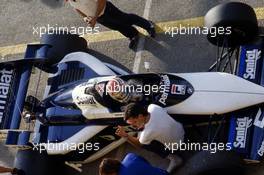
134, 109
109, 166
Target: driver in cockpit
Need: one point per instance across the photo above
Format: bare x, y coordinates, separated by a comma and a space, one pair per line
124, 91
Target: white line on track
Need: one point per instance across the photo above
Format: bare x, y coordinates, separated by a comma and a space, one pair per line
141, 42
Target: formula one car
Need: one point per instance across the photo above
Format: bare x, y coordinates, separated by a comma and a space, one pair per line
85, 97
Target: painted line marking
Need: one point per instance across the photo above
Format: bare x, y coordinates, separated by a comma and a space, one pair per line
142, 40
113, 35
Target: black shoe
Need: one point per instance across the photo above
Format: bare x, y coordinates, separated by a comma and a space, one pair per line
152, 31
133, 42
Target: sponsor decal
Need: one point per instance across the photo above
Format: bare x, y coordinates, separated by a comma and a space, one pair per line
5, 81
261, 149
165, 89
242, 128
252, 57
86, 100
178, 89
258, 121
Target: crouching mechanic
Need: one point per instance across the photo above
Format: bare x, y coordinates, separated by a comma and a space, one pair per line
131, 165
157, 130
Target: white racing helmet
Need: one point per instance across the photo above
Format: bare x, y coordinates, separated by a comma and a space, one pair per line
116, 88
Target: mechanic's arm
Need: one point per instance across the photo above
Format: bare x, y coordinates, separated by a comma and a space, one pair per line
131, 139
134, 141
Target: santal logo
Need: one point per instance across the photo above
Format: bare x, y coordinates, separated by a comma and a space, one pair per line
5, 81
252, 58
261, 149
242, 127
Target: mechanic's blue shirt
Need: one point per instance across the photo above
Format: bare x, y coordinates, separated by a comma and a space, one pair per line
136, 165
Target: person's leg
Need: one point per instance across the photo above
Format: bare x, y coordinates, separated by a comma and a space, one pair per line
110, 19
159, 148
134, 19
129, 19
175, 162
128, 31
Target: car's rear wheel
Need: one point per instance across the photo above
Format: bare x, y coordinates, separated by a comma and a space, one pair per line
239, 16
62, 44
36, 163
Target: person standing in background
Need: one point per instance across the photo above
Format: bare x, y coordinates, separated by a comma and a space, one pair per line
105, 13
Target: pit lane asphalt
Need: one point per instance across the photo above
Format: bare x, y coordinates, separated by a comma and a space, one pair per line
182, 53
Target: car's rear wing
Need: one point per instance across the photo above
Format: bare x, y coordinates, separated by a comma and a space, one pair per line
246, 132
14, 80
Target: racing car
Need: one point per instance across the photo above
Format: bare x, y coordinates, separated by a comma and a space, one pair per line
85, 96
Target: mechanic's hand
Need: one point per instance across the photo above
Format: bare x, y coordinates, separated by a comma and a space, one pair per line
92, 21
121, 132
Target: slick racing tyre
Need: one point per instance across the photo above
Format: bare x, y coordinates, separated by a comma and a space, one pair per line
62, 44
35, 163
238, 20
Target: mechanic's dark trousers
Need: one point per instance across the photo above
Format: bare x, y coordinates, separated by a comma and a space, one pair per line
158, 148
115, 19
